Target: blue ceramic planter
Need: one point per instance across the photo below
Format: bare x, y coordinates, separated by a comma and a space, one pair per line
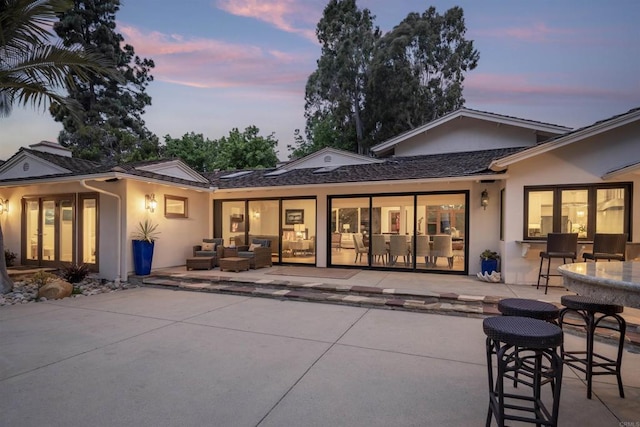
489, 265
142, 257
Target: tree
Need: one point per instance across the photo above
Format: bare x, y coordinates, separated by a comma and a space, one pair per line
418, 71
242, 150
112, 129
335, 92
33, 71
193, 149
324, 133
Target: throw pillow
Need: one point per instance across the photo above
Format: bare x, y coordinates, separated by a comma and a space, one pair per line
206, 246
253, 246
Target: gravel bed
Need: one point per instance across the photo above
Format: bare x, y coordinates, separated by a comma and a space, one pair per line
25, 293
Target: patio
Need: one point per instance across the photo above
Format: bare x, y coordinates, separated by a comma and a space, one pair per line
162, 357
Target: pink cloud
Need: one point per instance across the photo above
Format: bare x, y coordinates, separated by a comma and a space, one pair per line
518, 88
291, 16
207, 63
538, 32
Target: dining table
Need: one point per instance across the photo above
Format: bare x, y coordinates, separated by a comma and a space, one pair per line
610, 282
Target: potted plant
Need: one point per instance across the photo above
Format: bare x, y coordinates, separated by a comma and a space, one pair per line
489, 261
143, 242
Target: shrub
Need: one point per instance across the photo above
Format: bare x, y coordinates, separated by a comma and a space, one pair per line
41, 278
9, 257
74, 273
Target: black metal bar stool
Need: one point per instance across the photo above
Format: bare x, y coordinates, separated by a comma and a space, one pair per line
529, 308
559, 245
592, 312
520, 344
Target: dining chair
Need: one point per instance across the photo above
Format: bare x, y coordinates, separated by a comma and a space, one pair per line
379, 248
442, 247
398, 247
359, 247
422, 248
608, 246
559, 245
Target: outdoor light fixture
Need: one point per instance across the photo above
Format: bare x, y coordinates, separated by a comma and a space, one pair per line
484, 199
150, 202
4, 206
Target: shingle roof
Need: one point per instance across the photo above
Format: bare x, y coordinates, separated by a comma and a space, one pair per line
464, 164
73, 164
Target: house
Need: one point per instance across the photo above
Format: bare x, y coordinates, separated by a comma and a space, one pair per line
430, 200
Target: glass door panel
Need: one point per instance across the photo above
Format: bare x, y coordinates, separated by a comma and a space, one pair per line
351, 231
440, 236
65, 230
263, 223
32, 236
89, 231
299, 231
233, 223
395, 227
48, 227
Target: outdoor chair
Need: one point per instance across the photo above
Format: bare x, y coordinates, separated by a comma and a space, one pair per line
559, 245
259, 253
359, 247
209, 248
608, 246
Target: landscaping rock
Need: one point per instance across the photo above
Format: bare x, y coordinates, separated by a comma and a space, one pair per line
56, 289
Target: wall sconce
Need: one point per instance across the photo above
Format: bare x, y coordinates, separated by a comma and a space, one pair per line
4, 206
150, 202
484, 199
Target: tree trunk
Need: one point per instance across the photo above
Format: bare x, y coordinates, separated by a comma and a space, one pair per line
6, 284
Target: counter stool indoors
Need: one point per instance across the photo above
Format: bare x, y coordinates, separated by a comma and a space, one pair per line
592, 312
520, 344
559, 245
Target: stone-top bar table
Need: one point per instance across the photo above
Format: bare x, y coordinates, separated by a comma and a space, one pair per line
609, 282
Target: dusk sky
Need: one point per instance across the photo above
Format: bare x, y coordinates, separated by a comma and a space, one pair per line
222, 64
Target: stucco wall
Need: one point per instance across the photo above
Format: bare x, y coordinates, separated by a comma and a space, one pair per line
466, 134
583, 162
177, 235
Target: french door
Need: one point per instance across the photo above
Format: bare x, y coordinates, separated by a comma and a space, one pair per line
51, 235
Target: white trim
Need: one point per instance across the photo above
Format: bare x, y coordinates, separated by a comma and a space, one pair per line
561, 141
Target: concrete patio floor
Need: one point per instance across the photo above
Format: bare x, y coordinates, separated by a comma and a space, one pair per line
163, 357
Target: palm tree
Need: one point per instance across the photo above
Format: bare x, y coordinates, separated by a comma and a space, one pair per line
33, 70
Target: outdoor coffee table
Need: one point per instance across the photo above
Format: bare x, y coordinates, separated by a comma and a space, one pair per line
234, 263
200, 263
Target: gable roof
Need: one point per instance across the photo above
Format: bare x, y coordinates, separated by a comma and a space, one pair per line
329, 156
452, 166
545, 128
569, 138
69, 168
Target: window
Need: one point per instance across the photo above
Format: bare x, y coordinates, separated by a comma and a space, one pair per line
584, 209
175, 206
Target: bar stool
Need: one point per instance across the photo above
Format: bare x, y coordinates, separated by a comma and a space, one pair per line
512, 340
559, 245
529, 308
592, 312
